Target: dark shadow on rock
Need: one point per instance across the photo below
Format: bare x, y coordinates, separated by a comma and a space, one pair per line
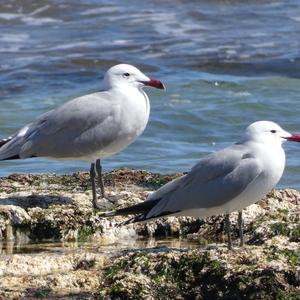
155, 250
46, 293
42, 201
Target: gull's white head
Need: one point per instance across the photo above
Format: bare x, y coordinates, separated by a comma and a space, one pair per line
268, 132
124, 75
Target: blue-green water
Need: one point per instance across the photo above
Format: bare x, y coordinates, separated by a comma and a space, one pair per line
225, 65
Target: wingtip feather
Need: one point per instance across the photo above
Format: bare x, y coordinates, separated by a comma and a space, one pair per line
108, 214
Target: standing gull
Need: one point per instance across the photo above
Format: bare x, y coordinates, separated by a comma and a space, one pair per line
90, 127
222, 182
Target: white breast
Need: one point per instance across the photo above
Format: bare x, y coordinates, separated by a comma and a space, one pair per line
134, 115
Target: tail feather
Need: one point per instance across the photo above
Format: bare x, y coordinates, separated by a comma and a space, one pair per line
135, 219
141, 211
144, 218
139, 208
12, 157
4, 141
9, 148
107, 214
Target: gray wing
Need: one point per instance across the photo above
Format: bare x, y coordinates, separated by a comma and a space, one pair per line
77, 128
214, 181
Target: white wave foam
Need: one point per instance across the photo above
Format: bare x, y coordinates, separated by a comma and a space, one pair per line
39, 10
263, 45
121, 42
8, 16
29, 18
84, 44
39, 21
10, 49
100, 10
295, 18
14, 37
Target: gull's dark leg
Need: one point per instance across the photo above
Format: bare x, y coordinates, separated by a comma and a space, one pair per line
240, 224
227, 227
99, 171
93, 176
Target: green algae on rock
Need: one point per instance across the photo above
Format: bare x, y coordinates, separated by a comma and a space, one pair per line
58, 208
50, 207
214, 273
32, 210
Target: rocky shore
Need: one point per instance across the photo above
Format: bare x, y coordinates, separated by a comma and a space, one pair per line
78, 256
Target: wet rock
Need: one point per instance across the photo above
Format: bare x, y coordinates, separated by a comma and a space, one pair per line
59, 208
40, 207
46, 274
216, 273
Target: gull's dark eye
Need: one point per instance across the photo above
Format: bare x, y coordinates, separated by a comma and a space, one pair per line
125, 75
273, 131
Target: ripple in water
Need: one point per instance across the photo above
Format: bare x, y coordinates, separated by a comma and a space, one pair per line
225, 64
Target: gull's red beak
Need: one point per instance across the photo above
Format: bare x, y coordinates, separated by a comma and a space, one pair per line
154, 83
294, 138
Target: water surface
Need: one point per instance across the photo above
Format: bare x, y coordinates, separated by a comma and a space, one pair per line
225, 64
108, 248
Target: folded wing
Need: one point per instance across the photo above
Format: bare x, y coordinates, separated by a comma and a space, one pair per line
74, 129
215, 180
